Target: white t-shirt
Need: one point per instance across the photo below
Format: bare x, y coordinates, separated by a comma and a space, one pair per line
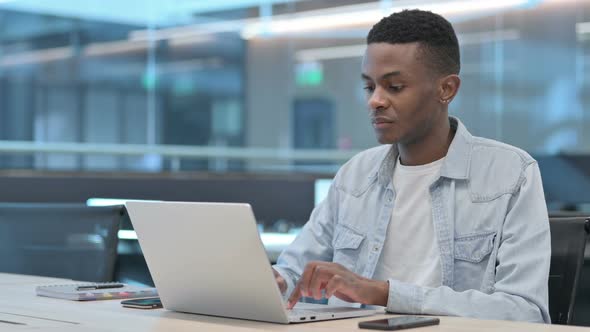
410, 253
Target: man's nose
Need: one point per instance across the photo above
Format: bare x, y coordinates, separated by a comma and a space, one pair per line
377, 100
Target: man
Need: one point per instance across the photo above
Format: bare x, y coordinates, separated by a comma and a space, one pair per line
435, 220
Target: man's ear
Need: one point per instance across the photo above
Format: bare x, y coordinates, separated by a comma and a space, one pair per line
448, 88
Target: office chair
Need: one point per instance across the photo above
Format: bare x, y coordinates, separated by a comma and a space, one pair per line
59, 240
568, 241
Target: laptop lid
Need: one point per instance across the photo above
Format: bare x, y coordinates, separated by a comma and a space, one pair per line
207, 258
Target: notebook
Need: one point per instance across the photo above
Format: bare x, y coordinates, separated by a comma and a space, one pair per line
95, 291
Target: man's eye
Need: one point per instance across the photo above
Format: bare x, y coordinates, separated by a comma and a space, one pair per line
369, 88
396, 88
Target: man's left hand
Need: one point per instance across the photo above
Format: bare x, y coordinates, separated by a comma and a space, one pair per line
336, 280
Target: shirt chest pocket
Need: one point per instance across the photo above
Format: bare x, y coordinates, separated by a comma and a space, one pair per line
346, 244
472, 254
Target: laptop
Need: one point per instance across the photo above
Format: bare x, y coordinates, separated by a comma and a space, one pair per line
207, 258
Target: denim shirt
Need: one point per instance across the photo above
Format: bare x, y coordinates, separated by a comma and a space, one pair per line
490, 221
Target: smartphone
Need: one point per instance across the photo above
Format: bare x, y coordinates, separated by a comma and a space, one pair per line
399, 323
147, 303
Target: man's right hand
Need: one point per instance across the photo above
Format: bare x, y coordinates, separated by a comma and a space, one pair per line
280, 281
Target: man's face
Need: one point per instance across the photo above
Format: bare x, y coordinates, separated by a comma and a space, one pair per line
402, 92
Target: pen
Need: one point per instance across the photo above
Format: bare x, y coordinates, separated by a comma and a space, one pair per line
105, 286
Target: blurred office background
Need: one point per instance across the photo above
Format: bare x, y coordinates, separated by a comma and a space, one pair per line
271, 86
261, 101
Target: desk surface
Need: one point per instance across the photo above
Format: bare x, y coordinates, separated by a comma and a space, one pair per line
19, 303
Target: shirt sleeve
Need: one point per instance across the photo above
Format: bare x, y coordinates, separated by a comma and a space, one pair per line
522, 271
314, 242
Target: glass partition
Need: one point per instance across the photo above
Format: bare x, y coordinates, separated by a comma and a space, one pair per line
265, 85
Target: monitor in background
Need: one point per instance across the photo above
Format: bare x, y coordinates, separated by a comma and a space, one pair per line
59, 240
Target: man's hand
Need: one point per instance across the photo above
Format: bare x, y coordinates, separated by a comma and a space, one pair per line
280, 281
338, 281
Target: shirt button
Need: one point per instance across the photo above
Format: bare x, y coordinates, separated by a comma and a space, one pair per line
375, 248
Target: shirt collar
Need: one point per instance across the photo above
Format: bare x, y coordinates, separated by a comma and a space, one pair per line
455, 165
458, 160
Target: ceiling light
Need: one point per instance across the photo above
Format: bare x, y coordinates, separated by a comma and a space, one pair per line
354, 51
364, 14
36, 56
115, 47
367, 14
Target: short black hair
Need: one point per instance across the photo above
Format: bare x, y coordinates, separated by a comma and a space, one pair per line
433, 32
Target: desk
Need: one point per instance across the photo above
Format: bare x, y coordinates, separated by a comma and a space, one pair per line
19, 303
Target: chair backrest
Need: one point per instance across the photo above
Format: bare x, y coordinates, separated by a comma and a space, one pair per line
568, 241
59, 240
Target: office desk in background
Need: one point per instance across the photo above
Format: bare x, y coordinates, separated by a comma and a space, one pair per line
18, 303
